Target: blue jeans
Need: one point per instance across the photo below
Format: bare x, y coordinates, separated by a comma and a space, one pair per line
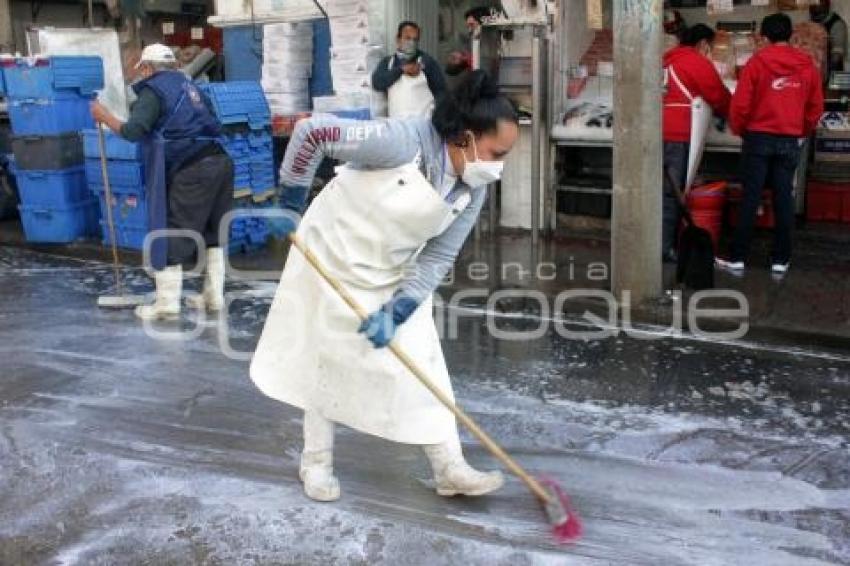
767, 160
676, 162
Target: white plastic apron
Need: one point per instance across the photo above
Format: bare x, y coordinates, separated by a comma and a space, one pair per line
701, 115
410, 97
366, 227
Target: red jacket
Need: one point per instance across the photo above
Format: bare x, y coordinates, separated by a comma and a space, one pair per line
701, 79
779, 92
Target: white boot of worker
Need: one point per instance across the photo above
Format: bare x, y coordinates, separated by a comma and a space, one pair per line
454, 476
317, 474
316, 470
169, 287
212, 297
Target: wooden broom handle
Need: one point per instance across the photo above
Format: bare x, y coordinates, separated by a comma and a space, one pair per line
408, 362
107, 188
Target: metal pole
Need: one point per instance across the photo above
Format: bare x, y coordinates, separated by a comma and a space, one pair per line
536, 134
7, 36
492, 193
476, 64
549, 203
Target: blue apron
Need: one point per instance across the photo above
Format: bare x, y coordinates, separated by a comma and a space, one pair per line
153, 154
196, 124
156, 179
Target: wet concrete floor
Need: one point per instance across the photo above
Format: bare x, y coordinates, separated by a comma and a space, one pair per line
121, 448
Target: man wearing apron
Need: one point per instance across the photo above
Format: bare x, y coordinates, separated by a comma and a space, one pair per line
693, 92
389, 227
188, 177
411, 78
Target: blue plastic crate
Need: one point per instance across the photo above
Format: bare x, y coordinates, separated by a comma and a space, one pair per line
127, 208
130, 236
43, 77
354, 114
60, 188
238, 154
262, 174
263, 157
116, 146
243, 52
262, 187
260, 140
240, 102
50, 116
59, 225
124, 176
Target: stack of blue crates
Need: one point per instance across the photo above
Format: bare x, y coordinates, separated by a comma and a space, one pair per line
127, 183
242, 108
253, 161
248, 233
48, 104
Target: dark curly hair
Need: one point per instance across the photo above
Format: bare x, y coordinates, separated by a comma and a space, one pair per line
475, 105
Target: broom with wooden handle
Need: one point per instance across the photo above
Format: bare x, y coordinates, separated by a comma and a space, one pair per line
565, 523
119, 301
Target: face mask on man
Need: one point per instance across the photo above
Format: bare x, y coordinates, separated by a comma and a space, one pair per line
479, 173
408, 49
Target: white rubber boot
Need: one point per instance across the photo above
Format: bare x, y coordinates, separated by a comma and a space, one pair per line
316, 470
317, 474
169, 287
454, 476
212, 297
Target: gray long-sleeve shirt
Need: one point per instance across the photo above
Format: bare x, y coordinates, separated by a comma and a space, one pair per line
385, 144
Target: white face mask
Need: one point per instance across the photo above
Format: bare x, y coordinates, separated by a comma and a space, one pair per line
479, 173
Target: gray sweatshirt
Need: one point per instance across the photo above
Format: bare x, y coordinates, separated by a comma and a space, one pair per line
384, 144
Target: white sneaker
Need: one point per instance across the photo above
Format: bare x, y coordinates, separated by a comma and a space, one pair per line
316, 472
780, 268
454, 476
169, 287
733, 266
212, 297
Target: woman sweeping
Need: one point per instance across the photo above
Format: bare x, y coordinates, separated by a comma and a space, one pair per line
389, 226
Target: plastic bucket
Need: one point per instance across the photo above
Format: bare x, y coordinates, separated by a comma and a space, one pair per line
711, 196
711, 221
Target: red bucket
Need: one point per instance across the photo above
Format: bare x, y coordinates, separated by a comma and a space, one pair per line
711, 196
711, 221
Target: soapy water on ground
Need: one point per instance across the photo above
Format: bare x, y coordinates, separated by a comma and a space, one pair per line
120, 449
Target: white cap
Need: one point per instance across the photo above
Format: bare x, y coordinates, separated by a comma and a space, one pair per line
156, 53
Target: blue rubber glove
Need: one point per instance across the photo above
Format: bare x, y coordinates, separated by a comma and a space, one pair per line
381, 325
292, 201
293, 198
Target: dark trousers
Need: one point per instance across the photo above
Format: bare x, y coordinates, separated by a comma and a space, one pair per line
767, 161
676, 162
199, 195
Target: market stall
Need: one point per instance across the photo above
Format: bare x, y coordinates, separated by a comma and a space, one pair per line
582, 131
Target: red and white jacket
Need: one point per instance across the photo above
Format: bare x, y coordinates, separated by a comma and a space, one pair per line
688, 75
779, 92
